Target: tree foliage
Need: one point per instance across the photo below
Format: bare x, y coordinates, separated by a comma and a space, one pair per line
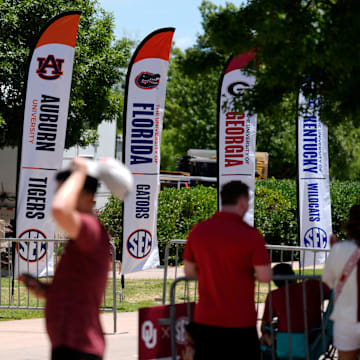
190, 111
97, 64
295, 40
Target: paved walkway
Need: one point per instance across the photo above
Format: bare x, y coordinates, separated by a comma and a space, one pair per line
27, 339
157, 273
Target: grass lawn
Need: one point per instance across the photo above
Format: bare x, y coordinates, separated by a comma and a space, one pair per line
138, 294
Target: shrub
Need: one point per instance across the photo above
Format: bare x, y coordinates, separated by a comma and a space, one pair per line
275, 211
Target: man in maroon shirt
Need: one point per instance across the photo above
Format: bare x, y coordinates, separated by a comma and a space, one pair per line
74, 297
225, 254
313, 297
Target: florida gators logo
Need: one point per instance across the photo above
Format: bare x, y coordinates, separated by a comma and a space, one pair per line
147, 80
49, 68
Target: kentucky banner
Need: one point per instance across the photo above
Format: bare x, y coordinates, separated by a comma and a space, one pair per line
143, 117
314, 188
44, 129
236, 131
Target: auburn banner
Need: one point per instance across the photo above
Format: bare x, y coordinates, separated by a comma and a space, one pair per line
44, 129
143, 118
236, 130
313, 177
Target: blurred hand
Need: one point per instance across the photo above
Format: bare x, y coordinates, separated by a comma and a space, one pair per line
35, 286
79, 164
333, 240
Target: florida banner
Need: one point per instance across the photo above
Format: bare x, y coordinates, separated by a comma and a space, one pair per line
236, 130
143, 118
44, 129
313, 182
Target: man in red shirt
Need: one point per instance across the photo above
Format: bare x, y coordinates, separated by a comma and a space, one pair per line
74, 297
225, 254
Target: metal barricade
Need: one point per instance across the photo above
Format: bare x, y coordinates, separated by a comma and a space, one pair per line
14, 296
173, 312
175, 242
293, 255
278, 253
312, 348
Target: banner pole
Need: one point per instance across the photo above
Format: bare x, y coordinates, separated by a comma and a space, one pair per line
123, 289
297, 172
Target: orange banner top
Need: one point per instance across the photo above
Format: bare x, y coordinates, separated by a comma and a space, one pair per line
61, 31
157, 46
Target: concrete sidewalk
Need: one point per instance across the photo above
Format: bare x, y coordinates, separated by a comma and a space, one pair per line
27, 339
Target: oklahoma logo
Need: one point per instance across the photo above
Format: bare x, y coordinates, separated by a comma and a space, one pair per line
49, 68
146, 80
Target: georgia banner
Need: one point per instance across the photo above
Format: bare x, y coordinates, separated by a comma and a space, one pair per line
143, 118
313, 182
236, 130
44, 129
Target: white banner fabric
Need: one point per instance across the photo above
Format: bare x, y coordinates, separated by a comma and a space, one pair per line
314, 188
145, 102
236, 132
45, 118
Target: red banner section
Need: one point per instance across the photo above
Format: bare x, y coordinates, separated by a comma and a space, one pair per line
155, 336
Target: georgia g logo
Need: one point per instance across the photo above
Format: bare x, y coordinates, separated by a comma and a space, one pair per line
237, 88
49, 68
147, 80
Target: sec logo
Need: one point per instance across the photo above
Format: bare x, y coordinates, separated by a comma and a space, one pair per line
31, 251
180, 329
315, 237
139, 243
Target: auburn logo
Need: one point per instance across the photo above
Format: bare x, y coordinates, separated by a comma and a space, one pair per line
49, 68
146, 80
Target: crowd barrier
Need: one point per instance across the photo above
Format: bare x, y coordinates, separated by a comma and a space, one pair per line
311, 344
293, 255
15, 296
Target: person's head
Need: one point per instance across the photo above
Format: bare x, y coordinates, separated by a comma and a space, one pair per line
86, 198
282, 269
235, 197
352, 226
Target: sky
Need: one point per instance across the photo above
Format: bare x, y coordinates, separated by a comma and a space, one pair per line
136, 19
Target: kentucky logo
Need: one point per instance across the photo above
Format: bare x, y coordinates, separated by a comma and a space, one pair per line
49, 68
146, 80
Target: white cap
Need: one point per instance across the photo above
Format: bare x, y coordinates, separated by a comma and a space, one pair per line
117, 178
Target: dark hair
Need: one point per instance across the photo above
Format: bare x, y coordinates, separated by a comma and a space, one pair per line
90, 186
233, 191
352, 226
282, 269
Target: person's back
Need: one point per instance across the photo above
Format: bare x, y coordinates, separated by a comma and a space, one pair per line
295, 312
75, 295
226, 249
224, 254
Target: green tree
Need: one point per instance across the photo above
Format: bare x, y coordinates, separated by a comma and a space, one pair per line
190, 112
294, 40
97, 64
